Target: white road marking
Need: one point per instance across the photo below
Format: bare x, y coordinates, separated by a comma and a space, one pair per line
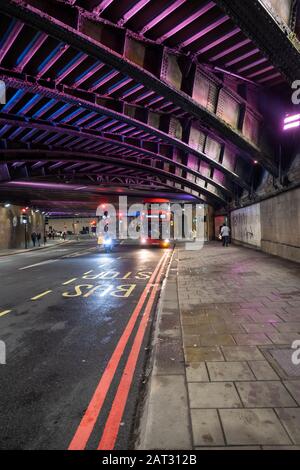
38, 264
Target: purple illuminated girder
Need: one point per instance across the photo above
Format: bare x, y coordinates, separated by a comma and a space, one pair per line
73, 115
85, 118
155, 100
40, 137
29, 134
260, 72
56, 165
102, 6
169, 103
118, 86
16, 133
204, 31
120, 126
230, 50
71, 68
218, 41
253, 64
74, 165
127, 130
269, 77
51, 62
88, 75
161, 16
73, 142
242, 57
64, 140
52, 139
38, 164
38, 43
106, 79
10, 39
143, 96
96, 122
108, 124
30, 104
60, 111
131, 92
132, 11
4, 128
182, 24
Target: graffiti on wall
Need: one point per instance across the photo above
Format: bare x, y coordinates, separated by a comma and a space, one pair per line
246, 225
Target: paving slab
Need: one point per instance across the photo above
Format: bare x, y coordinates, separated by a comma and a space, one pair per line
255, 426
242, 353
197, 372
290, 418
264, 394
207, 429
263, 371
229, 371
213, 395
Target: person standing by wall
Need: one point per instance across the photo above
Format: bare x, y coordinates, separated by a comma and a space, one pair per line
225, 231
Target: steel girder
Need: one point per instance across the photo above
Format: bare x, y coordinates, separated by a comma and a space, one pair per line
274, 38
41, 154
95, 177
92, 47
95, 137
65, 97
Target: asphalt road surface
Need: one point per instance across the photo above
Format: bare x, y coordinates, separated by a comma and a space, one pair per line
75, 323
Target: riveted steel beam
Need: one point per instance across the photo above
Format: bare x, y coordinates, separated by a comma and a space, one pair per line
85, 35
27, 154
274, 38
55, 94
95, 138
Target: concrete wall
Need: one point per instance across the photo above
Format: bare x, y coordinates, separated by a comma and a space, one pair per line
70, 224
281, 8
12, 231
272, 225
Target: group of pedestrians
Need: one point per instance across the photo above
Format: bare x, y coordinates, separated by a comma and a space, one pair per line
36, 238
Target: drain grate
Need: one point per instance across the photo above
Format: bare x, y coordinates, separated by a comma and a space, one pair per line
283, 358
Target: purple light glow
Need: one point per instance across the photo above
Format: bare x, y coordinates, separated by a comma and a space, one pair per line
291, 122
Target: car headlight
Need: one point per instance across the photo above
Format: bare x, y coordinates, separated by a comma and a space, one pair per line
107, 241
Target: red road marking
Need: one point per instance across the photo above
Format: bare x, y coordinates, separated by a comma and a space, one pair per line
91, 414
112, 424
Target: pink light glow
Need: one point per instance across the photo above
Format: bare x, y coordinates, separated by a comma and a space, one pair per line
291, 125
295, 117
204, 9
162, 15
132, 11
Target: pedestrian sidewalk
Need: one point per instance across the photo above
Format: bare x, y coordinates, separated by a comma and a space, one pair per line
222, 375
49, 244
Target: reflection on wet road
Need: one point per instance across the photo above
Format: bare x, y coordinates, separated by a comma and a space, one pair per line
76, 326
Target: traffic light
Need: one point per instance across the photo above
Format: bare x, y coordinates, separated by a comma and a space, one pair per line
24, 215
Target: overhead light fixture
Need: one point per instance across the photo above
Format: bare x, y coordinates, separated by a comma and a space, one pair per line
7, 204
291, 122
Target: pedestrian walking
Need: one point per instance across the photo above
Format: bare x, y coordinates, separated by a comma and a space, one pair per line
33, 238
39, 236
225, 231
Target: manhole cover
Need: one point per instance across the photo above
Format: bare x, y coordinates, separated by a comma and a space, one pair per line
283, 357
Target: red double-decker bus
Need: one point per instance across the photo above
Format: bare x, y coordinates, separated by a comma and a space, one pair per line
156, 224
